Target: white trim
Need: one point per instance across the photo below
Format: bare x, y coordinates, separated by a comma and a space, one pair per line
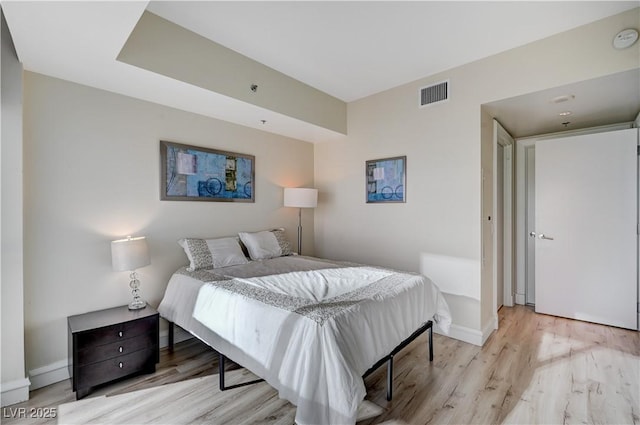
462, 333
49, 374
494, 210
569, 133
503, 138
489, 328
521, 217
59, 371
14, 392
507, 220
469, 335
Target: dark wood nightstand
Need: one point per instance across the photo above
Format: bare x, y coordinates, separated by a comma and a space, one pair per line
110, 344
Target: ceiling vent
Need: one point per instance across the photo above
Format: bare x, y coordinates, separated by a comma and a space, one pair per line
435, 93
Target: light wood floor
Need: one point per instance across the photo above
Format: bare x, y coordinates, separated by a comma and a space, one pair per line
535, 369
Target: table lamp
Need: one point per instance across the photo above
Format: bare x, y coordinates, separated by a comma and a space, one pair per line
128, 255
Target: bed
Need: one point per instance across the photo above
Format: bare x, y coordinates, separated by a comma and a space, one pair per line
310, 327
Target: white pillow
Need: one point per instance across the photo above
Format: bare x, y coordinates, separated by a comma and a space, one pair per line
266, 244
212, 253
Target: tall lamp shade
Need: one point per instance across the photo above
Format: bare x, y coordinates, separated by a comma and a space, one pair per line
128, 255
300, 197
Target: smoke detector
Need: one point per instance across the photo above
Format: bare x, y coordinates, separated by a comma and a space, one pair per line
625, 38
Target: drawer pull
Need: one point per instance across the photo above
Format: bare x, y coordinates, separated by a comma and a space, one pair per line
120, 365
120, 334
120, 349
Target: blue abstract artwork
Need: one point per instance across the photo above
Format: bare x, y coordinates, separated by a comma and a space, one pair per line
202, 174
386, 179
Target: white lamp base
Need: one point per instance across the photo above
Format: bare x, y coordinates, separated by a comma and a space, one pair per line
137, 303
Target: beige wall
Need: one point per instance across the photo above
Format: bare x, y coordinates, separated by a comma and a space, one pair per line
15, 387
446, 149
92, 170
222, 70
92, 176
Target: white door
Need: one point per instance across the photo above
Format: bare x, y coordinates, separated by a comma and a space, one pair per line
586, 227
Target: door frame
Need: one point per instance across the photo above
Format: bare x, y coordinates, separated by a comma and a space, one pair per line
503, 138
523, 210
524, 148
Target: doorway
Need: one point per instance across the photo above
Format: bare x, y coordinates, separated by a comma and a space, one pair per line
527, 290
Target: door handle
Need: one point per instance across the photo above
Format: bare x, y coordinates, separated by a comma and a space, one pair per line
541, 236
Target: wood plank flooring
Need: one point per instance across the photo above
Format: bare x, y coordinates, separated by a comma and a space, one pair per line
534, 369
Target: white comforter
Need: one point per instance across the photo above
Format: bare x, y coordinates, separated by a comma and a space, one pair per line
312, 334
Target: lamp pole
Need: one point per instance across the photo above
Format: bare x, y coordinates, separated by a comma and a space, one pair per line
299, 231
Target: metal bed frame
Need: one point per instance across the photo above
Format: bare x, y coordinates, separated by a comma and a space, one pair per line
386, 359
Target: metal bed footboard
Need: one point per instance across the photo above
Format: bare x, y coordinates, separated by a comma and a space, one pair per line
221, 362
388, 359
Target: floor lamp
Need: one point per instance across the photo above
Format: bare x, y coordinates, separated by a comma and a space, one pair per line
300, 197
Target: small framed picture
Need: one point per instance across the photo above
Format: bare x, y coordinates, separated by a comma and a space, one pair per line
386, 179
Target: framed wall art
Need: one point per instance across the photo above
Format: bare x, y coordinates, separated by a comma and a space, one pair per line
386, 179
192, 173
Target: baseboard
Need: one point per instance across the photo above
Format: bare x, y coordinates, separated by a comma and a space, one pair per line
508, 301
49, 374
489, 328
462, 333
14, 392
59, 371
472, 336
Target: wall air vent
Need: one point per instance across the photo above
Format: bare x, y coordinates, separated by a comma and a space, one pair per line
435, 93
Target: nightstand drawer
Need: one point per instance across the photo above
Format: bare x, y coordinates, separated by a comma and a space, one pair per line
107, 351
117, 367
116, 332
110, 344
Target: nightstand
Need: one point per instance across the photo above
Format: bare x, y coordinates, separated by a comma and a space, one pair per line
110, 344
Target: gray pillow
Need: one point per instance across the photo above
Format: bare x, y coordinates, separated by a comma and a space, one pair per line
266, 244
212, 253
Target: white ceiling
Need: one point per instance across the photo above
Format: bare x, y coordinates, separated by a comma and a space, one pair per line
352, 49
607, 100
347, 49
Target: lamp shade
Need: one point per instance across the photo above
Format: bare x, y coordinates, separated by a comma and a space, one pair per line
129, 254
300, 197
